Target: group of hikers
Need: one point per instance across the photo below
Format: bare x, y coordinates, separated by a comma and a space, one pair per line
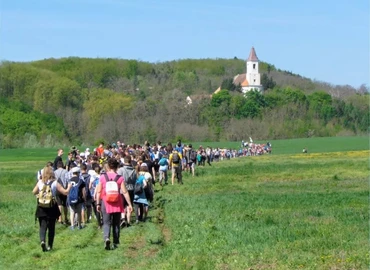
111, 182
108, 183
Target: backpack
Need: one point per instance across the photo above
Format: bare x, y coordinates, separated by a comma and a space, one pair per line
175, 158
163, 162
111, 189
139, 184
45, 196
74, 196
61, 176
87, 178
193, 155
130, 179
94, 184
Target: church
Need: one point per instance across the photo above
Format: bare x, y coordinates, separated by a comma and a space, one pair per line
252, 78
248, 81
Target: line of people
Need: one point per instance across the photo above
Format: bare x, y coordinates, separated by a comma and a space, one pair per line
103, 184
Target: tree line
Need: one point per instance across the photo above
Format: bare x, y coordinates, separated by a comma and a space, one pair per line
83, 100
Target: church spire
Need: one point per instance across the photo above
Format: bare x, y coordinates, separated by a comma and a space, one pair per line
252, 56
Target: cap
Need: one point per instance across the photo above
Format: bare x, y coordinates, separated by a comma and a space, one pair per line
75, 170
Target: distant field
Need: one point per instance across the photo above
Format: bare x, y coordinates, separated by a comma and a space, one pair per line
287, 210
314, 145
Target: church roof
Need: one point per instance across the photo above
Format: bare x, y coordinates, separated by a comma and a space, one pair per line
245, 83
238, 79
241, 79
252, 55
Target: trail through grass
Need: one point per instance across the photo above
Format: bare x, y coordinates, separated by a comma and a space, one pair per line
288, 211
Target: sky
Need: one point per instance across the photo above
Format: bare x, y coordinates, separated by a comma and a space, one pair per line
324, 40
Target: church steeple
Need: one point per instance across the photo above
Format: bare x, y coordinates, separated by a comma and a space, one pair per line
252, 78
252, 75
252, 56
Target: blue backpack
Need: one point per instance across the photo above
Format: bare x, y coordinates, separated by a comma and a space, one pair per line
163, 161
139, 185
73, 196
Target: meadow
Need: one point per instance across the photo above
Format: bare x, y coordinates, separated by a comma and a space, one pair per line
287, 210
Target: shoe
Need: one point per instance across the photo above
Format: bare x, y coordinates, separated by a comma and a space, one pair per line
123, 223
107, 244
81, 227
72, 228
49, 248
43, 246
136, 222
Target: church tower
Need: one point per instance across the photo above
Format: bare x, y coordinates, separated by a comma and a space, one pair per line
253, 76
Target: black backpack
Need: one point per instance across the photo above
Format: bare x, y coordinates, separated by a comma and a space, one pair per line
175, 158
193, 156
87, 178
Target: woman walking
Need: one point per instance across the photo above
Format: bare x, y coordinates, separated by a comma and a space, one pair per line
141, 198
47, 210
110, 202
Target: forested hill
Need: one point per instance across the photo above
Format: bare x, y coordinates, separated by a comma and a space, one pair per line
83, 100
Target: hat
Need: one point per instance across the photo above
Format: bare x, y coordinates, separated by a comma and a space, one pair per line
75, 170
87, 149
82, 154
144, 165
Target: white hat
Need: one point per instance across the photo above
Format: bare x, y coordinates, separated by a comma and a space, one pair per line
75, 170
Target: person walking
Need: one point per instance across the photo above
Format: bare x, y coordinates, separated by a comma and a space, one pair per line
175, 163
142, 198
58, 158
47, 210
129, 175
61, 176
76, 198
110, 202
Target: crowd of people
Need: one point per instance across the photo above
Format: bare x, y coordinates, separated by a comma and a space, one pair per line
111, 182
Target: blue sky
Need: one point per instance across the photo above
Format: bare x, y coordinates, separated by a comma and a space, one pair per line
326, 40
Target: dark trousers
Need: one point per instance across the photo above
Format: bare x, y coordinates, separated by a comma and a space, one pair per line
209, 160
111, 220
47, 224
178, 173
139, 211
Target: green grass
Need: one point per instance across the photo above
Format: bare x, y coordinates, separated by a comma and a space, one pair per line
286, 211
314, 145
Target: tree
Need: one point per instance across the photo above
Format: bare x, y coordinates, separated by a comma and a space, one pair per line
222, 97
267, 82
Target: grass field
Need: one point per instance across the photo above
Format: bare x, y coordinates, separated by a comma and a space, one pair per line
287, 210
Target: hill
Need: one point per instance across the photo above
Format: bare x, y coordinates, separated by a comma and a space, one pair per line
134, 101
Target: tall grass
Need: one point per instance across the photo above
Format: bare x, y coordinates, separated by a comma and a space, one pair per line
286, 211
